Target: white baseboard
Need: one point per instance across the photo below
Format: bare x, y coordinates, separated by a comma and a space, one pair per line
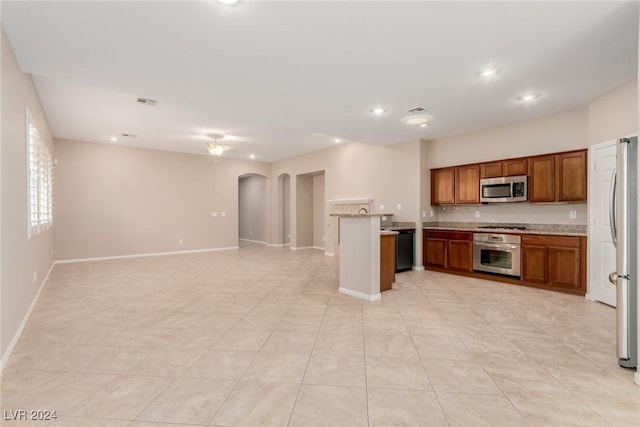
274, 245
360, 295
253, 241
329, 254
25, 319
107, 258
318, 248
636, 378
588, 297
417, 268
304, 248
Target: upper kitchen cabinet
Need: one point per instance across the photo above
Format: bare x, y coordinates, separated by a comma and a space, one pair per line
443, 186
467, 184
558, 177
511, 167
572, 176
542, 173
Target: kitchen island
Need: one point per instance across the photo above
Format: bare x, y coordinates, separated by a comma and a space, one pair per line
360, 255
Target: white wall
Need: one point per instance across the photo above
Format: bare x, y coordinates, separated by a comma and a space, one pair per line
304, 211
614, 114
24, 263
114, 200
252, 207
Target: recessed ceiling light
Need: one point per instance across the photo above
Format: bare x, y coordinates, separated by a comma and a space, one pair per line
229, 2
113, 138
417, 120
252, 156
378, 111
337, 140
529, 97
489, 72
424, 125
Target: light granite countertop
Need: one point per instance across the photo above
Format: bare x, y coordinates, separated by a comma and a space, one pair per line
384, 232
551, 229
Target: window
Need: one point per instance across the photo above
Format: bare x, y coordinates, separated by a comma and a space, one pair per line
39, 182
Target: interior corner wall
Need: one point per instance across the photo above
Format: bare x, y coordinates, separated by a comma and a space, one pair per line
252, 208
117, 201
24, 263
286, 209
614, 114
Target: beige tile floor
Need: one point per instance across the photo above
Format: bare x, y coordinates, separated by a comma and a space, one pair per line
261, 336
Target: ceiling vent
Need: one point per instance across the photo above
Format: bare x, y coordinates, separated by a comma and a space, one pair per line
416, 110
127, 135
147, 101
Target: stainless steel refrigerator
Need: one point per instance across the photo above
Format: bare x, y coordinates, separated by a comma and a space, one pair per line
623, 214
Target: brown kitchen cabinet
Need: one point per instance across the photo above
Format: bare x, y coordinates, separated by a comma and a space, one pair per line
467, 184
556, 261
443, 186
558, 177
387, 261
511, 167
447, 250
571, 173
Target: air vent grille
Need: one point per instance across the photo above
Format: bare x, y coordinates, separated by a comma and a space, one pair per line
416, 110
127, 135
147, 101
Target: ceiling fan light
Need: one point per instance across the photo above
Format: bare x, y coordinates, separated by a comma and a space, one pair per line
216, 150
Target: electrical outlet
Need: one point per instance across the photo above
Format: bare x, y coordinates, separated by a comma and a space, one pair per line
384, 218
477, 214
223, 213
323, 238
251, 233
214, 213
572, 214
431, 213
381, 207
399, 207
180, 241
424, 214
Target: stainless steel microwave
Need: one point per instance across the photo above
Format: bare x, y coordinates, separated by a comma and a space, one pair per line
504, 189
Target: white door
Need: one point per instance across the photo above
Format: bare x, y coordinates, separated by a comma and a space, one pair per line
602, 253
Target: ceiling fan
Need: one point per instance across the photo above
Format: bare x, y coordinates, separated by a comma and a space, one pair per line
215, 148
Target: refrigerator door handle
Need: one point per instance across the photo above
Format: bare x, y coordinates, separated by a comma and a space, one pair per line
612, 209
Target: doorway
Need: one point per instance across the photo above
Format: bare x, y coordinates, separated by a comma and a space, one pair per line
310, 211
252, 208
602, 252
284, 210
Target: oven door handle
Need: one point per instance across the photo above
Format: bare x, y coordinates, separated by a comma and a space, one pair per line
496, 245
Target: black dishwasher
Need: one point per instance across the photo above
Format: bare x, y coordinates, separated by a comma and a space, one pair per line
404, 249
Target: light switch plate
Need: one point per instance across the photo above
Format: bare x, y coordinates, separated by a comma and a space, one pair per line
381, 207
223, 214
214, 213
399, 206
477, 214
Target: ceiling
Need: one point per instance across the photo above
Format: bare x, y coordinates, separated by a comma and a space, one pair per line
285, 78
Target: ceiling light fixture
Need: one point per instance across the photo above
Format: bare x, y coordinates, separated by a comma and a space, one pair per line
422, 120
489, 72
215, 149
337, 140
378, 111
252, 156
529, 97
228, 2
113, 138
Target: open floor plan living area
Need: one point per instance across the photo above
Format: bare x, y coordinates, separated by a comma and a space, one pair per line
319, 213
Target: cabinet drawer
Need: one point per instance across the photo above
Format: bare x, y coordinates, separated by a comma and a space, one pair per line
449, 235
550, 240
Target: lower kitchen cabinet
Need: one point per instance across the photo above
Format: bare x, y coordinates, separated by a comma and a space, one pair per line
552, 262
387, 261
447, 250
555, 261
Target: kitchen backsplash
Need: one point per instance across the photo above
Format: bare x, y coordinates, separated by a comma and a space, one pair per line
528, 213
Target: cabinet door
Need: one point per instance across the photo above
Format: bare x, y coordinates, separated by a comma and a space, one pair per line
435, 253
572, 176
491, 170
460, 255
387, 261
564, 267
515, 167
467, 184
541, 179
443, 186
534, 263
